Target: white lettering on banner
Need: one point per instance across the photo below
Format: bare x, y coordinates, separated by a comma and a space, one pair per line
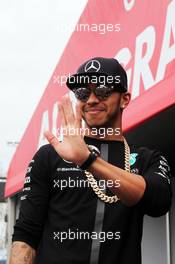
44, 127
124, 56
141, 68
128, 4
45, 122
167, 51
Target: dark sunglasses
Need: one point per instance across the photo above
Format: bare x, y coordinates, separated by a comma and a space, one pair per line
102, 92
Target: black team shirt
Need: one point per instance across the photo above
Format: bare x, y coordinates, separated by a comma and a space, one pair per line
65, 222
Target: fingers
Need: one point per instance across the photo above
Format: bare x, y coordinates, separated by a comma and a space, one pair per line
67, 116
68, 110
78, 117
62, 115
52, 139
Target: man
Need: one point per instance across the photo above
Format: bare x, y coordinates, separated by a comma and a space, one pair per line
85, 196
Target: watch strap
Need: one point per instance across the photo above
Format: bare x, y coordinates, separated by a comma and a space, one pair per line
91, 158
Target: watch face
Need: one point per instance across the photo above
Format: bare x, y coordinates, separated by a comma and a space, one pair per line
94, 148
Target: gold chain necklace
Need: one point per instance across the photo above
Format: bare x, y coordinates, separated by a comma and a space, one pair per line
93, 183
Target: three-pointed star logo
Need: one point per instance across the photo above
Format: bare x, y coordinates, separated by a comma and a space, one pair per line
92, 65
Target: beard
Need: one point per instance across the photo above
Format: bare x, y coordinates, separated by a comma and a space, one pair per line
109, 121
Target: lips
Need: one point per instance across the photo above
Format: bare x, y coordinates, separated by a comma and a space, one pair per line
94, 109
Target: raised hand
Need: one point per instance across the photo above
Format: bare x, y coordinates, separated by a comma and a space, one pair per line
73, 147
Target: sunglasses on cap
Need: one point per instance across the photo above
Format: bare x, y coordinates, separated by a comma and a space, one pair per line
102, 92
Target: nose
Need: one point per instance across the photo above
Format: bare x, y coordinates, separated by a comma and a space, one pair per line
92, 99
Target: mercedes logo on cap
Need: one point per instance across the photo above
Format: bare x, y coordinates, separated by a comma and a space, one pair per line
92, 65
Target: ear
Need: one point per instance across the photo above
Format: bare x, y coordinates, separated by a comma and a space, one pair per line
125, 99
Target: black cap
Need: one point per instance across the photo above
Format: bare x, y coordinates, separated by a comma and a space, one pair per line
92, 71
